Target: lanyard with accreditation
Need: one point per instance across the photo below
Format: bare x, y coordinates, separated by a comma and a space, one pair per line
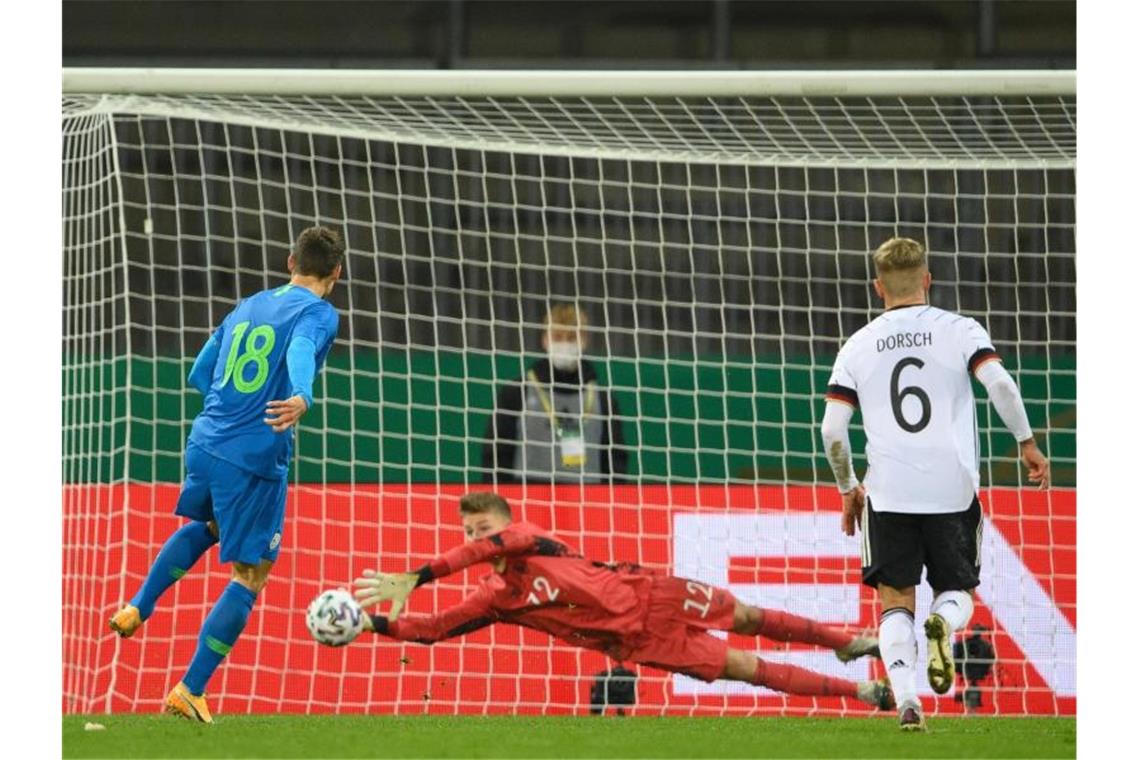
568, 433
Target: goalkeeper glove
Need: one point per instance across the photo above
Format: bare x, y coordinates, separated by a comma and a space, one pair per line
375, 587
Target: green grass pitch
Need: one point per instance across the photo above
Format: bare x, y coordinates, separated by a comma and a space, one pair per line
325, 736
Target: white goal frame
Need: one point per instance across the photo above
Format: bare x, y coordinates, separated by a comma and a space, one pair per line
99, 92
480, 83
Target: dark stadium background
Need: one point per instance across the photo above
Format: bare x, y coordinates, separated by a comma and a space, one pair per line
660, 34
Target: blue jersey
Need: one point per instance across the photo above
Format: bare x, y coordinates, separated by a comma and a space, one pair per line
249, 369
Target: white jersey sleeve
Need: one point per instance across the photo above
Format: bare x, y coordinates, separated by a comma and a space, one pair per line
977, 347
1006, 398
841, 386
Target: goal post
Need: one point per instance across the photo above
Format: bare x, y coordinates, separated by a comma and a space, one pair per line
554, 84
714, 226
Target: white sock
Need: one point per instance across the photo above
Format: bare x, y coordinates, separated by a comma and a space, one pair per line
955, 607
899, 650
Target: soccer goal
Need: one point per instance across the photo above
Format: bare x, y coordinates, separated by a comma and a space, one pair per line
715, 228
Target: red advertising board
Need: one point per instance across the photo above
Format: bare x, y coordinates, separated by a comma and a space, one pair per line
775, 546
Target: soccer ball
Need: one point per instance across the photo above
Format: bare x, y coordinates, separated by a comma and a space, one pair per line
334, 618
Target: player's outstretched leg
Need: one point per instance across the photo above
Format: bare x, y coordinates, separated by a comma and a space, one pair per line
779, 625
860, 646
219, 633
950, 612
791, 679
177, 556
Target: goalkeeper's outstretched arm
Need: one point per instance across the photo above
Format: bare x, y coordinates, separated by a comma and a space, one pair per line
375, 587
471, 614
507, 543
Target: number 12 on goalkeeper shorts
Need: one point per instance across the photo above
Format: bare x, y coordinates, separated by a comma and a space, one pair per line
701, 598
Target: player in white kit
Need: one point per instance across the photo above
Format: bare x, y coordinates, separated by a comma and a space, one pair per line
908, 371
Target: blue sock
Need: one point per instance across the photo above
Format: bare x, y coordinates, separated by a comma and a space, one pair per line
219, 633
178, 555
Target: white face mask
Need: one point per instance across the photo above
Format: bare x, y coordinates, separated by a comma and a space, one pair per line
565, 355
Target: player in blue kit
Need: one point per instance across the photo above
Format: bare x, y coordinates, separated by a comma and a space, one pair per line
256, 372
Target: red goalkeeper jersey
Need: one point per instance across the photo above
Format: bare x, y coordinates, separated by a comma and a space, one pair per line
546, 585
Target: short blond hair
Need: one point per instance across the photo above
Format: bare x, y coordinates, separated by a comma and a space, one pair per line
566, 315
900, 264
482, 502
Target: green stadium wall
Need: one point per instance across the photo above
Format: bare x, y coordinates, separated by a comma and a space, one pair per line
707, 419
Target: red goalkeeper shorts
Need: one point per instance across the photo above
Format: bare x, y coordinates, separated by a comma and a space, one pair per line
676, 636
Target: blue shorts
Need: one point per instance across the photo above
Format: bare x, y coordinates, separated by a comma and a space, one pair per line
249, 510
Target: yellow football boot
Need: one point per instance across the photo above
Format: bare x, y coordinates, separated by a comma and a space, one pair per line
182, 703
940, 656
126, 621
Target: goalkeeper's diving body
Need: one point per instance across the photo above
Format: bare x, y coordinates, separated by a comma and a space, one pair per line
256, 373
629, 612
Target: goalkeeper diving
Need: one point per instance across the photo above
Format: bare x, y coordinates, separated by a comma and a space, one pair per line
629, 612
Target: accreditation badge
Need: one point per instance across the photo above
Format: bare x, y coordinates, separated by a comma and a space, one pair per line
573, 448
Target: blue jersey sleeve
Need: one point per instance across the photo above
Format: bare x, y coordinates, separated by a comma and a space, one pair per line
318, 324
301, 359
312, 338
332, 324
203, 368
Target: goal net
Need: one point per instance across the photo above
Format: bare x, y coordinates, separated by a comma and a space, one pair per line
716, 232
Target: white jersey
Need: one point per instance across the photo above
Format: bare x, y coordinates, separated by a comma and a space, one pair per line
909, 372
